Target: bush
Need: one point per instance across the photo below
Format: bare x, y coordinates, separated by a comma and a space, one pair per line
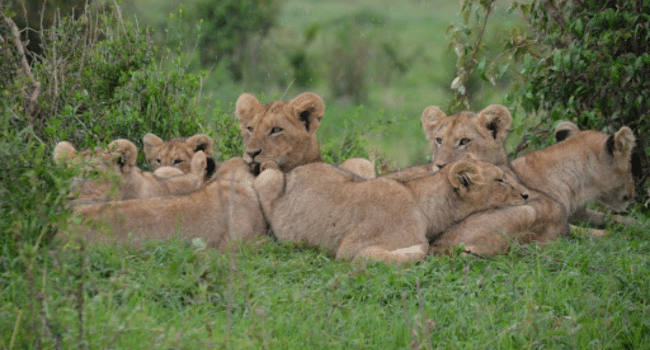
590, 66
96, 81
227, 27
584, 61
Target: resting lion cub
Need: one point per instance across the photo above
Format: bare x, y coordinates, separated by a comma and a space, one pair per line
225, 208
177, 152
381, 219
585, 168
118, 163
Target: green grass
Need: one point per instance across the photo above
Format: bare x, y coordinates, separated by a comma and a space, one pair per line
579, 293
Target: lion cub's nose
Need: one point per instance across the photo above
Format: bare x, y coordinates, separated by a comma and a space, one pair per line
524, 196
253, 154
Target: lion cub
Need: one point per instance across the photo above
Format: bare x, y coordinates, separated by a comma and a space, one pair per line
224, 210
585, 168
119, 178
177, 152
381, 219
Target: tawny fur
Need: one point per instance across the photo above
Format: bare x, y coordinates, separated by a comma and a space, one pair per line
381, 219
486, 132
177, 152
579, 171
281, 132
119, 178
285, 133
576, 172
481, 136
223, 210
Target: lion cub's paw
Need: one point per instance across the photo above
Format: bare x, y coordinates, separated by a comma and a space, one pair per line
624, 220
199, 163
268, 165
166, 172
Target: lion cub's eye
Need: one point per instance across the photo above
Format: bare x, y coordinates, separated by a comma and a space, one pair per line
464, 142
249, 128
178, 162
276, 130
500, 180
158, 160
439, 140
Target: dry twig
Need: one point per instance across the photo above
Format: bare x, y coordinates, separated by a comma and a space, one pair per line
32, 98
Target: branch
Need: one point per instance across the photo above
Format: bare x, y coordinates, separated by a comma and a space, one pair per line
31, 106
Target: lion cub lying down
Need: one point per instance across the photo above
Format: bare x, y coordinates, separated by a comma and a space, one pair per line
381, 219
585, 167
118, 163
223, 210
176, 153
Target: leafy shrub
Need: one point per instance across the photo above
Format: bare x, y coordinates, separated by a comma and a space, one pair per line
590, 65
584, 61
38, 15
97, 80
228, 25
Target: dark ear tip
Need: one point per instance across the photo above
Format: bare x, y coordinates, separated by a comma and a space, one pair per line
609, 145
464, 181
304, 117
211, 167
562, 135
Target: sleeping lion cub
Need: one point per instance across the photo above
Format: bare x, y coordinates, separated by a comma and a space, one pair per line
381, 219
117, 177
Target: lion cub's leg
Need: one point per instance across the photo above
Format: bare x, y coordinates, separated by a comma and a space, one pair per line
491, 232
599, 219
269, 185
399, 256
359, 166
372, 242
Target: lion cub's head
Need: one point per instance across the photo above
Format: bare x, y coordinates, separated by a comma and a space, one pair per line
484, 184
176, 152
608, 158
281, 132
102, 170
467, 134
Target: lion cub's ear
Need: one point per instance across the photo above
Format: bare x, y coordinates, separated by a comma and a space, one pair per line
497, 120
620, 145
309, 108
431, 116
151, 143
65, 152
201, 142
564, 130
245, 106
462, 175
125, 154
